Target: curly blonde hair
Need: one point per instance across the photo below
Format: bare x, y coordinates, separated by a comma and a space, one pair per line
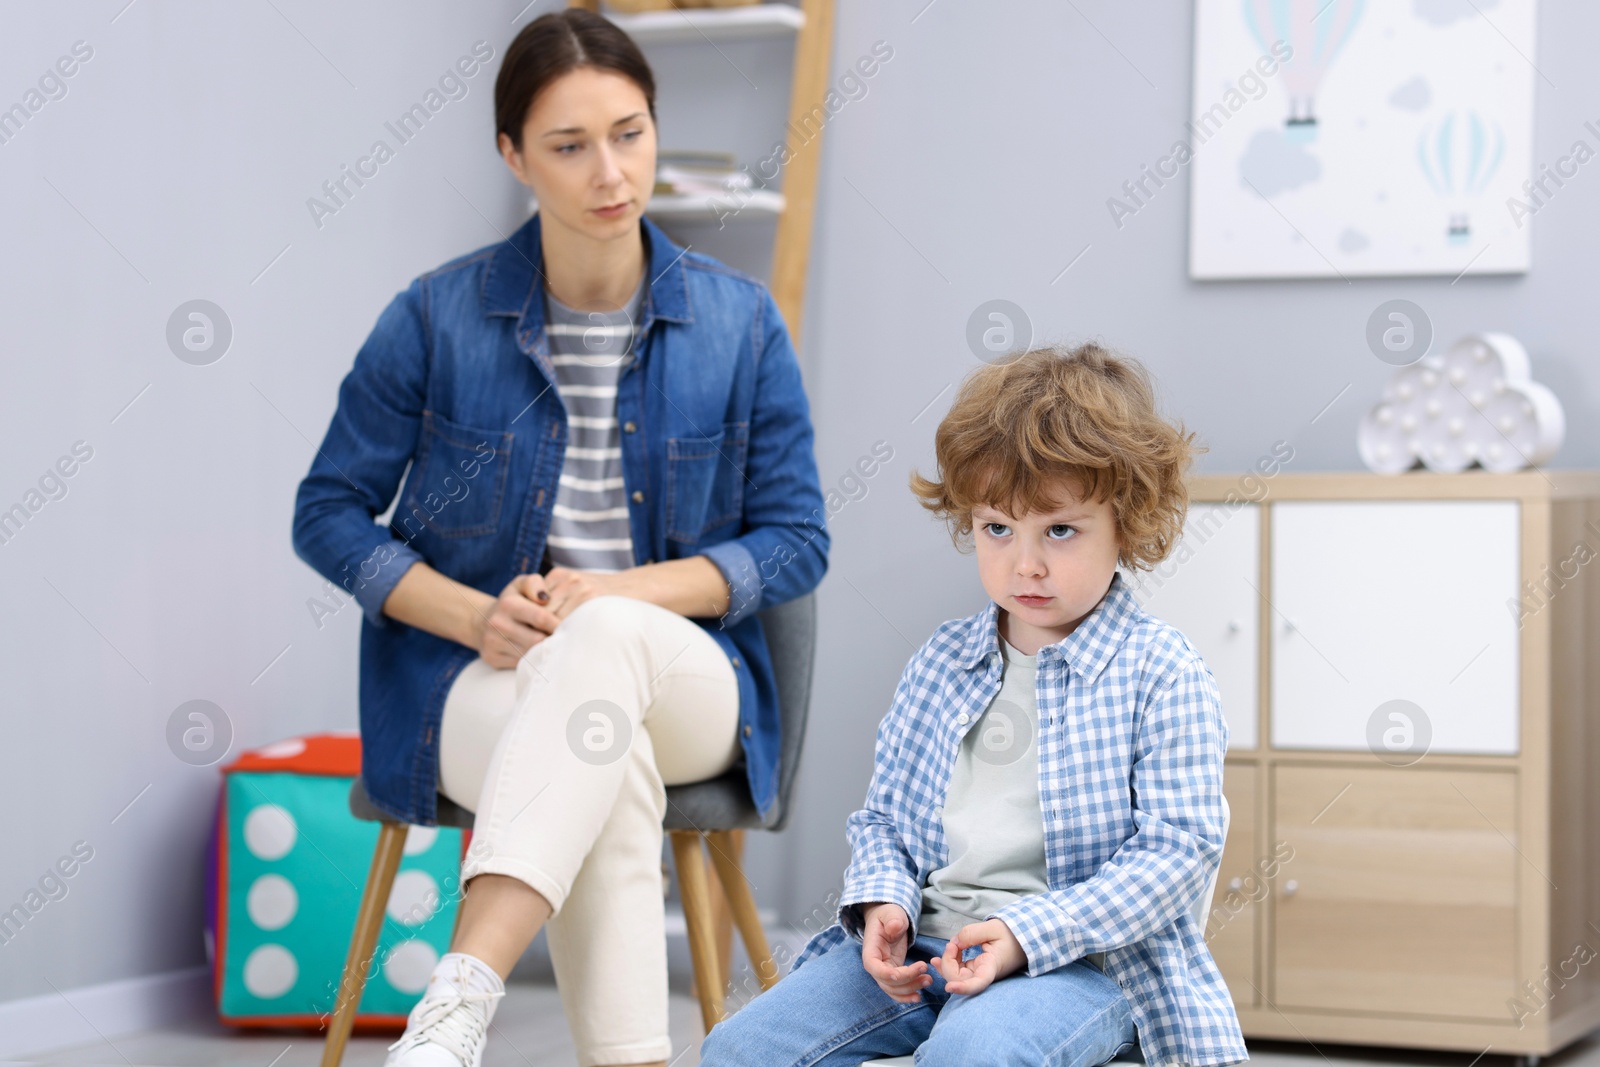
1038, 424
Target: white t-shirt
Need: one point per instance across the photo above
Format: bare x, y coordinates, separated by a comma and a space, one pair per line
993, 822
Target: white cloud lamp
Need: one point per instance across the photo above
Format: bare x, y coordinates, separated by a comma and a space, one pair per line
1475, 403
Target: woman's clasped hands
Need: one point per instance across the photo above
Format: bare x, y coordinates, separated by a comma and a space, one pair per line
530, 608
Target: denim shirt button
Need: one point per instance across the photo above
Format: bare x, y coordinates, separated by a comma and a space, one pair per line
629, 426
638, 496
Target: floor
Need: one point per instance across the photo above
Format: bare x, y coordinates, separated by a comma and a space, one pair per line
530, 1031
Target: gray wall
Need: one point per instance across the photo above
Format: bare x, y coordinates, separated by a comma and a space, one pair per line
177, 167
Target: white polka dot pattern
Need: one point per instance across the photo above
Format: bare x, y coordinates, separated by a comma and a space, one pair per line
409, 966
272, 902
420, 839
269, 832
270, 971
414, 899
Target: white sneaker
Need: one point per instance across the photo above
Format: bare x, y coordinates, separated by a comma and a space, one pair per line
448, 1025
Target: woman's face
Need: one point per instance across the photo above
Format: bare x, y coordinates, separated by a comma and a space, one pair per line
588, 153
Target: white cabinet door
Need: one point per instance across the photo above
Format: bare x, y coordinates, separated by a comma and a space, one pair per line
1207, 589
1378, 601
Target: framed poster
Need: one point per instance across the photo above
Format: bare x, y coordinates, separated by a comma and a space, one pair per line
1341, 138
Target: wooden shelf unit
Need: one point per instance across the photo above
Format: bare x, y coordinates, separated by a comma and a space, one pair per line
754, 204
711, 24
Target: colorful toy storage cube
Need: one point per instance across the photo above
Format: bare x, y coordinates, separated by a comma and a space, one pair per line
287, 865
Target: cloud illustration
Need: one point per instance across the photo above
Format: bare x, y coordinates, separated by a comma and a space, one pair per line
1444, 12
1274, 164
1414, 95
1476, 403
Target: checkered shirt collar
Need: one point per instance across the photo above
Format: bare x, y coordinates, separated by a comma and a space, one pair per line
1087, 649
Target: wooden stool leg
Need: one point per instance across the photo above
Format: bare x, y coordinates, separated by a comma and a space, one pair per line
369, 921
726, 856
695, 889
722, 920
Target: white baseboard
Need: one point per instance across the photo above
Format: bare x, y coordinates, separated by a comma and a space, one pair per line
40, 1024
677, 927
79, 1016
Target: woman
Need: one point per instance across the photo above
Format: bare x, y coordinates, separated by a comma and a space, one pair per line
610, 432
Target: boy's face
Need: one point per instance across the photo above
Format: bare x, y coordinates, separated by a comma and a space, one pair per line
1046, 570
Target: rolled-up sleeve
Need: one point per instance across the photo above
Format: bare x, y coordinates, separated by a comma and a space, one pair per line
738, 567
783, 551
357, 468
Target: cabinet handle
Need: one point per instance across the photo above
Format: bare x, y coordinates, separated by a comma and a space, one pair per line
1291, 887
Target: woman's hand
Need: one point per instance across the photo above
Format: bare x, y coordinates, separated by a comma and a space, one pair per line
568, 588
532, 606
521, 618
1002, 955
885, 937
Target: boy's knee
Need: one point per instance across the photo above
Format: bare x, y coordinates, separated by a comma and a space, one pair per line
769, 1031
729, 1044
966, 1037
956, 1046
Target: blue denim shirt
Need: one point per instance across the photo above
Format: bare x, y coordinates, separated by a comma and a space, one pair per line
456, 380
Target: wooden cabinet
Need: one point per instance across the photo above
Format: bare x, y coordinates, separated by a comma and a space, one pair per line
1431, 880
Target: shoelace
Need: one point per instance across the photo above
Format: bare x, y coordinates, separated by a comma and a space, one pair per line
440, 1023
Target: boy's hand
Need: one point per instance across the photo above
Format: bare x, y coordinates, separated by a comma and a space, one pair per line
1002, 955
885, 937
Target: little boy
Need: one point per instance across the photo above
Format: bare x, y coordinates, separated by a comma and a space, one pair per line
1047, 790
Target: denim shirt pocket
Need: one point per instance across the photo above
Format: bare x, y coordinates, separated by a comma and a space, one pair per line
705, 482
457, 487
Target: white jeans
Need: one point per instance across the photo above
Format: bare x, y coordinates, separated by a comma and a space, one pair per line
570, 793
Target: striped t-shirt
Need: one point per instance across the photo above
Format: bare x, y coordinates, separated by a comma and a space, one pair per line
590, 350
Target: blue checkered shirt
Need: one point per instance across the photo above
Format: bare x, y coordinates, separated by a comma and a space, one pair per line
1131, 743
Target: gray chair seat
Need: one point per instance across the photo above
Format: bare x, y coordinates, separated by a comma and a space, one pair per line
449, 814
721, 803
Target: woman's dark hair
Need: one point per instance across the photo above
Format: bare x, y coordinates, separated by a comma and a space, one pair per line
553, 45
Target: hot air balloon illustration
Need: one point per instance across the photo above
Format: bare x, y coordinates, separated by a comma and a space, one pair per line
1315, 30
1459, 155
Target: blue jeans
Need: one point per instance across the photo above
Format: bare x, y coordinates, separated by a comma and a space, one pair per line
831, 1013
